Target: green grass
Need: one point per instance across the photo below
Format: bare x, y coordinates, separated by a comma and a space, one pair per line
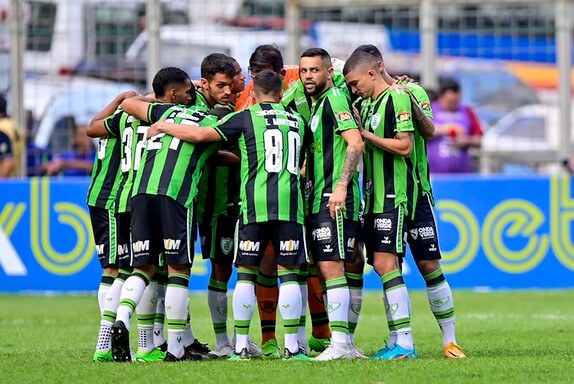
509, 337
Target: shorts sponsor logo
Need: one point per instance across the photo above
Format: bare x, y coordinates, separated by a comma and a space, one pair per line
404, 117
414, 233
433, 248
344, 116
249, 246
327, 249
386, 240
289, 245
140, 246
383, 224
226, 245
100, 249
122, 249
171, 244
321, 234
351, 243
426, 233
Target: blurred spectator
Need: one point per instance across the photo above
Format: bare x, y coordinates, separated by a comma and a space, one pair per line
11, 144
76, 162
457, 130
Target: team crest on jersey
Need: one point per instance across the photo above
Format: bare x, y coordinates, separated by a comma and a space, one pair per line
344, 116
375, 120
425, 105
314, 123
404, 117
226, 245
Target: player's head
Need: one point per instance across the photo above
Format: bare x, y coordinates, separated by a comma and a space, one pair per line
238, 84
267, 56
372, 50
217, 73
362, 74
449, 94
268, 85
315, 71
173, 85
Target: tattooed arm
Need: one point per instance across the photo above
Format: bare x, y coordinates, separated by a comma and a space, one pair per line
353, 155
423, 124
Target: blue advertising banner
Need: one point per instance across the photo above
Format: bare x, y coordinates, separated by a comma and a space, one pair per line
499, 233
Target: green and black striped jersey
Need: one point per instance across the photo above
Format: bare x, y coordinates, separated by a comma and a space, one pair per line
389, 180
419, 157
104, 187
296, 98
201, 102
326, 151
170, 166
269, 138
132, 135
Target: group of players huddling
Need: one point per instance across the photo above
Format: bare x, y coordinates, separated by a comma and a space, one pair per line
269, 175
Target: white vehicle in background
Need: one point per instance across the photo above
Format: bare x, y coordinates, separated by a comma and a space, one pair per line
61, 34
526, 140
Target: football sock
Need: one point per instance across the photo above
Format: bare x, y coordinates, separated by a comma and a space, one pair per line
397, 296
338, 308
243, 306
132, 292
301, 332
267, 292
109, 314
441, 304
290, 306
105, 285
176, 311
145, 311
392, 333
317, 310
217, 302
159, 318
188, 336
355, 282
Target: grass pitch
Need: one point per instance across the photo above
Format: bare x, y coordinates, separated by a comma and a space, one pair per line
509, 337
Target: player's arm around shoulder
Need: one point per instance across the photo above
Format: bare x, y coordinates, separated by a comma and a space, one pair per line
98, 127
422, 111
138, 106
191, 133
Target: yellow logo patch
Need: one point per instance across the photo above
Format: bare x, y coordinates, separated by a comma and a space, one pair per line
404, 116
426, 106
344, 116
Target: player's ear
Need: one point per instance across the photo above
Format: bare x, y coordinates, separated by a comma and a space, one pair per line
282, 73
203, 83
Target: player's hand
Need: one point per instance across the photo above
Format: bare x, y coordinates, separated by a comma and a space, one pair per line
127, 95
404, 79
337, 200
156, 128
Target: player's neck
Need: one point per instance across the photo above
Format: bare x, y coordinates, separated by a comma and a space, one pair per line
380, 87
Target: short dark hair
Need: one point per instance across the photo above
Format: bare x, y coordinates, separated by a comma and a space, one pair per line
268, 82
313, 52
358, 59
448, 84
217, 63
266, 56
167, 76
370, 49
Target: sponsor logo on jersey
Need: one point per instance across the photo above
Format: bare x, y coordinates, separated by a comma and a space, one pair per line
289, 245
249, 246
171, 244
383, 224
344, 116
321, 234
226, 245
100, 248
140, 246
425, 106
404, 117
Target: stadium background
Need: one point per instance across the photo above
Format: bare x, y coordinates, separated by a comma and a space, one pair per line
504, 228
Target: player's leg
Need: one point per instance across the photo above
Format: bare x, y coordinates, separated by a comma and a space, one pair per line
301, 330
267, 292
385, 244
288, 239
321, 332
423, 240
354, 274
145, 248
248, 255
159, 317
328, 250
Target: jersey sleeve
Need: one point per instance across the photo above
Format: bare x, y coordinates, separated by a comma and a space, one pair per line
341, 113
112, 123
422, 98
403, 111
156, 111
5, 146
231, 126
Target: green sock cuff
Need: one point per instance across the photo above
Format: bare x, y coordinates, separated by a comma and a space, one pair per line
433, 275
391, 275
338, 282
220, 286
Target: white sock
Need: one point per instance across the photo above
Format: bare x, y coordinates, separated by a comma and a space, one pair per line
103, 289
290, 307
146, 313
176, 311
397, 296
442, 306
338, 309
132, 291
243, 307
104, 337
